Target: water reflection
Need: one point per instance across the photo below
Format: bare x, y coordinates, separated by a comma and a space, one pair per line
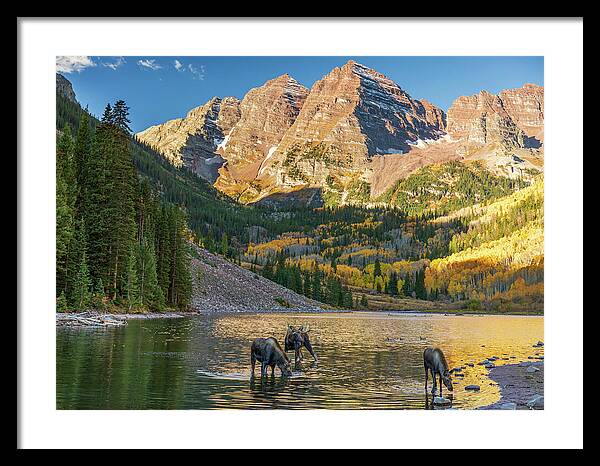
365, 361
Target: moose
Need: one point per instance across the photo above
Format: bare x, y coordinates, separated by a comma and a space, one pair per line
295, 339
268, 352
434, 361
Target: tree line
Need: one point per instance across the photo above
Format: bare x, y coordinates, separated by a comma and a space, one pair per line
117, 243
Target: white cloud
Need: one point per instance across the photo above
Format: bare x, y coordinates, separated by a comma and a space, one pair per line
119, 61
73, 63
179, 66
198, 73
150, 64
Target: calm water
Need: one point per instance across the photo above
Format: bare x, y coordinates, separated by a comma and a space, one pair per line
366, 360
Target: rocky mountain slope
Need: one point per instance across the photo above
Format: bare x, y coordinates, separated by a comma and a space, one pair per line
505, 132
354, 131
65, 88
267, 112
350, 116
193, 141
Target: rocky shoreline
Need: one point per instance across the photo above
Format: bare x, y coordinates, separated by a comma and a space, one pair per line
66, 318
94, 318
103, 319
521, 385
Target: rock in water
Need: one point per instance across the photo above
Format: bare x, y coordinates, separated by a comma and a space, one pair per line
537, 402
532, 369
508, 406
473, 387
441, 401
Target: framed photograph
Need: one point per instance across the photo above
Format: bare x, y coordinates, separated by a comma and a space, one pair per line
344, 234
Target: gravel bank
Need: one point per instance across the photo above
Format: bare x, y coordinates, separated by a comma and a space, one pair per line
223, 287
519, 384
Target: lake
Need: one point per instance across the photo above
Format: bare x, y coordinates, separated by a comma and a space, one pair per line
366, 361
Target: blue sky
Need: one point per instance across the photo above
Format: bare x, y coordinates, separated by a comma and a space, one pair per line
162, 88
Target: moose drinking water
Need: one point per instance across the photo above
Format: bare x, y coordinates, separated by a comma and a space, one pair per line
268, 352
434, 361
295, 339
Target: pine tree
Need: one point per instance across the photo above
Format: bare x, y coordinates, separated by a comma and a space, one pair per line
120, 116
181, 281
131, 286
80, 295
224, 245
77, 247
65, 207
420, 289
61, 303
377, 268
96, 185
107, 116
393, 284
81, 153
118, 213
121, 200
151, 294
407, 285
164, 249
316, 284
98, 296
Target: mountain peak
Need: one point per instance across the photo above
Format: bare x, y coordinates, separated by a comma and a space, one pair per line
532, 86
65, 88
282, 78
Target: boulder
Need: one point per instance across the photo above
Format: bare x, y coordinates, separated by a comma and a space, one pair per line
473, 387
537, 402
441, 401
